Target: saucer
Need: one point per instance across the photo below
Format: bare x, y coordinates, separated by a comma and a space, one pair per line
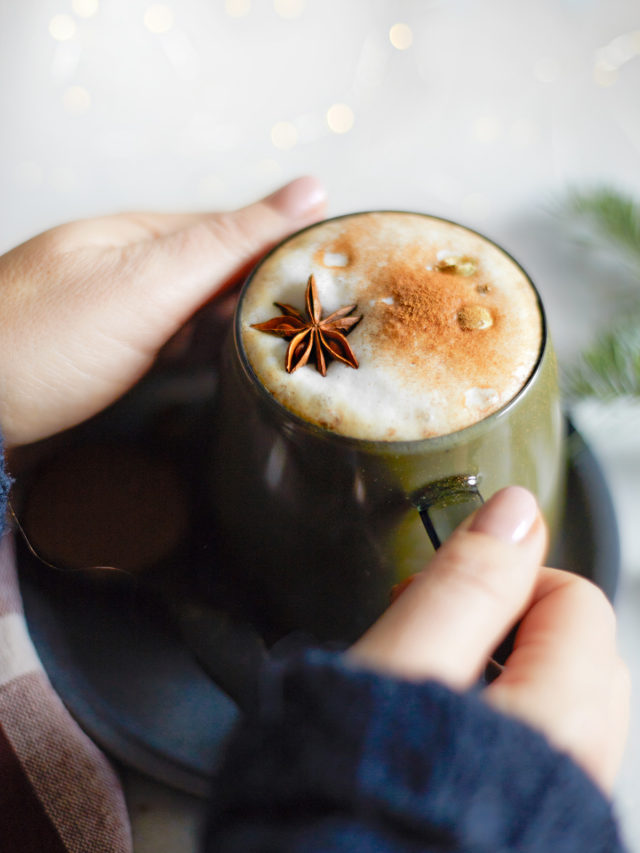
126, 676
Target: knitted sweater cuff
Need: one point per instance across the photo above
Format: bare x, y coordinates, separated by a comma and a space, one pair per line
5, 485
400, 762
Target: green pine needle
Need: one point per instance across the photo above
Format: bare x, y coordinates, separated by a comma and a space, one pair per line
610, 367
610, 217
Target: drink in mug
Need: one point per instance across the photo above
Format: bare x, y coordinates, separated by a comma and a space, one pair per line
385, 370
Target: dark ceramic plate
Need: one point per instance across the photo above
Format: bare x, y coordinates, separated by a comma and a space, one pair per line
138, 691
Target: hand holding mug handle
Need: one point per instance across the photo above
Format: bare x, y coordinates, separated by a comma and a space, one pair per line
564, 676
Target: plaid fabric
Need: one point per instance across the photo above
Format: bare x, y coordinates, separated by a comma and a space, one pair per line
58, 793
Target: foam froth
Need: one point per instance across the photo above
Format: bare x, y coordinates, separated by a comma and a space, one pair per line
450, 329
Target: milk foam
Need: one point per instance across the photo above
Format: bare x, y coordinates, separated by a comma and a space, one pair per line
439, 346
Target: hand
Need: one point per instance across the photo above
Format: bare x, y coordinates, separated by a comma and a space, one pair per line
564, 676
87, 306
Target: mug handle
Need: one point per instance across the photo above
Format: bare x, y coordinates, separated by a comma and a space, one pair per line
445, 503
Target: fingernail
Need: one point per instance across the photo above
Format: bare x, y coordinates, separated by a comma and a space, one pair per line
509, 515
299, 198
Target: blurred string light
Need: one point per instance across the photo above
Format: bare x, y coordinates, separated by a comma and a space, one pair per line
62, 27
614, 55
237, 8
340, 118
400, 36
85, 8
158, 18
308, 128
76, 100
604, 75
179, 50
289, 9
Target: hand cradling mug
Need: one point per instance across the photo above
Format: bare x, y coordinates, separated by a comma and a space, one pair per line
386, 372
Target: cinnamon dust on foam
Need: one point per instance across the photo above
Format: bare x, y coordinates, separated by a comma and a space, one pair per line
412, 310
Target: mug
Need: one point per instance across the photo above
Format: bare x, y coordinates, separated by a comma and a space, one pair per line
314, 528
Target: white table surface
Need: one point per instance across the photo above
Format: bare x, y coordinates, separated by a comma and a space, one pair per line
484, 112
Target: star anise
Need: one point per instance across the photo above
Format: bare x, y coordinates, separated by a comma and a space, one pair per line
313, 334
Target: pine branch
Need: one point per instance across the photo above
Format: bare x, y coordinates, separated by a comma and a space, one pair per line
610, 218
610, 367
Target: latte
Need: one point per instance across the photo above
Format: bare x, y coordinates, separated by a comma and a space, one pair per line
451, 326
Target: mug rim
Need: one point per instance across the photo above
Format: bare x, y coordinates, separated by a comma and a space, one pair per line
434, 441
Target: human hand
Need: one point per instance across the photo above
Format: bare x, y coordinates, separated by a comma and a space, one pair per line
87, 306
564, 676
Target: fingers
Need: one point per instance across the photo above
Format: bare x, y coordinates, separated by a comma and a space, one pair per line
564, 675
448, 621
87, 306
301, 201
185, 266
145, 274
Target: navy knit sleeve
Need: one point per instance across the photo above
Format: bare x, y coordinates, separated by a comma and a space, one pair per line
5, 484
339, 759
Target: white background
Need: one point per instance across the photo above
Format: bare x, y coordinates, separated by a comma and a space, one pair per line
484, 111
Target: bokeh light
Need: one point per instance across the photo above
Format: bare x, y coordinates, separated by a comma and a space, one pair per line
289, 9
620, 49
85, 8
612, 56
76, 100
340, 118
62, 27
158, 18
400, 36
604, 74
237, 8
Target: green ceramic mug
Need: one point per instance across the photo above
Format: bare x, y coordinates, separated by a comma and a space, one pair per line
315, 526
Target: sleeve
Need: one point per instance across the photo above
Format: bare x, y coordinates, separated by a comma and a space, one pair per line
339, 759
5, 485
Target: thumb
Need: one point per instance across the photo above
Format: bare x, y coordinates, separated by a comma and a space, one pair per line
447, 623
185, 267
88, 305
